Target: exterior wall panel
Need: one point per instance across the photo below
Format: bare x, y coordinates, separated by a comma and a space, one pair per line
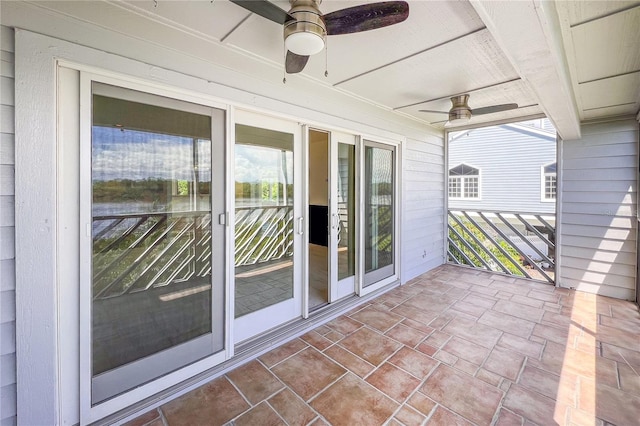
422, 206
599, 204
7, 232
510, 161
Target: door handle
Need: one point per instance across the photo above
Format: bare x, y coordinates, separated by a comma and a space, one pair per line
300, 229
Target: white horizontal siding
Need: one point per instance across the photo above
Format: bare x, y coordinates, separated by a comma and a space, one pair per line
608, 221
591, 255
7, 232
422, 206
582, 185
598, 228
510, 161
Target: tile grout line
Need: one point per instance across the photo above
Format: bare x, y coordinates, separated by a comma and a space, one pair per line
348, 351
240, 392
266, 401
285, 387
416, 390
288, 356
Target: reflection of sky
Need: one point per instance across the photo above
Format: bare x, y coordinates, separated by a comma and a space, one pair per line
138, 155
381, 165
258, 163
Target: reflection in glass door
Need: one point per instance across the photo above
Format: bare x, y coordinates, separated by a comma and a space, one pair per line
343, 216
157, 257
267, 226
379, 212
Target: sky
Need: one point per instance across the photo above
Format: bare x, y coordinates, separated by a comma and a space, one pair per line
138, 155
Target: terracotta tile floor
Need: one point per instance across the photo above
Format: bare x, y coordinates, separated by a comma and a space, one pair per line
452, 347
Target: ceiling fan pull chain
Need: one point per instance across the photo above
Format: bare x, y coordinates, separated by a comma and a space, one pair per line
284, 67
326, 60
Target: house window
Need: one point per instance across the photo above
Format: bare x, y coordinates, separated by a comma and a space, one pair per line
464, 182
549, 180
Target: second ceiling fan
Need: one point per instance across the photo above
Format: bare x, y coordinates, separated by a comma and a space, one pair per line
461, 112
306, 28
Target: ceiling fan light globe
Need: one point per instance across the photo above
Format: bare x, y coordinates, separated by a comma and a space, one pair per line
304, 43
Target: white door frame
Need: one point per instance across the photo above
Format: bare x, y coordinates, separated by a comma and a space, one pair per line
254, 323
82, 151
395, 147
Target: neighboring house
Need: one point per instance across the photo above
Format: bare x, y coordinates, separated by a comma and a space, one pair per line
507, 168
202, 85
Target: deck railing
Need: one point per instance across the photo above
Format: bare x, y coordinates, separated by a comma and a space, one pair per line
514, 243
136, 252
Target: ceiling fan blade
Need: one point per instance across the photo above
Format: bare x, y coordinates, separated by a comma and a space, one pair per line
295, 63
493, 108
433, 111
265, 9
366, 17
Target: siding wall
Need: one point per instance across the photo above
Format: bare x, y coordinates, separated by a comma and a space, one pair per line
510, 163
7, 232
422, 206
598, 210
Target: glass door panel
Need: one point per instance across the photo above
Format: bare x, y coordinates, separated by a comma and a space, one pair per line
268, 225
264, 218
346, 211
343, 215
157, 294
379, 212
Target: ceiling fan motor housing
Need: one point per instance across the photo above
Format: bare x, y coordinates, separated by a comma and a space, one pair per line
306, 35
460, 108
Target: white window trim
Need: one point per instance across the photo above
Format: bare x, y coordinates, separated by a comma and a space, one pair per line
543, 192
462, 179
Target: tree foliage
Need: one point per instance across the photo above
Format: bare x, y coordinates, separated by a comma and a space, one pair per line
459, 247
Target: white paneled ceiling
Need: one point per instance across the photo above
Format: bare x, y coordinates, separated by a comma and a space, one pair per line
582, 59
602, 44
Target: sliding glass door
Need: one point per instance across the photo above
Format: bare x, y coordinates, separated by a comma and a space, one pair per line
379, 213
156, 252
268, 224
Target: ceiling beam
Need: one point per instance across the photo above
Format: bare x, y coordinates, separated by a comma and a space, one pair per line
529, 34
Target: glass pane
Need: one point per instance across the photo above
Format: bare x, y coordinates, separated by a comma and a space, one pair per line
346, 210
151, 208
550, 187
264, 218
454, 187
378, 208
471, 187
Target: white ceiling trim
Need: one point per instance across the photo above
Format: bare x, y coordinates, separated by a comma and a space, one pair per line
528, 32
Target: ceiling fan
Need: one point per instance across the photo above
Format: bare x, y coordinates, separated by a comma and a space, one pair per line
306, 28
461, 112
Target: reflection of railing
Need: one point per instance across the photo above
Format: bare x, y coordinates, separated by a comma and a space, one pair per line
379, 236
135, 252
520, 244
263, 234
